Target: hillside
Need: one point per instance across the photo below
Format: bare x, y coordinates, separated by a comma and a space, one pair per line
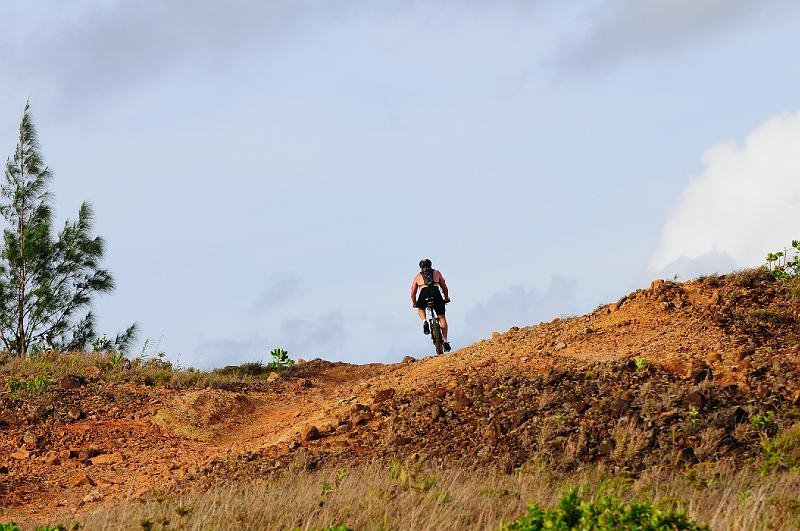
668, 376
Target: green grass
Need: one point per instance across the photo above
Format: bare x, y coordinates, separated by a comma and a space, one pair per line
602, 514
27, 378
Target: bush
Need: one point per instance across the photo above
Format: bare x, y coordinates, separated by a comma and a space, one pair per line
783, 451
607, 513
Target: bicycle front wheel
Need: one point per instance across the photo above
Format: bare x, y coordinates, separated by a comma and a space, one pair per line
436, 336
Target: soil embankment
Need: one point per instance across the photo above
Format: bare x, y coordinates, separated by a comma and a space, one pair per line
667, 376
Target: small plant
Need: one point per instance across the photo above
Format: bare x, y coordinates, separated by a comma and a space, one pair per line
561, 416
780, 266
641, 362
782, 451
605, 513
31, 387
9, 526
281, 359
410, 478
762, 422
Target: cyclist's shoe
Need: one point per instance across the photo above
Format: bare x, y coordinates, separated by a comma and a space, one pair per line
446, 346
426, 328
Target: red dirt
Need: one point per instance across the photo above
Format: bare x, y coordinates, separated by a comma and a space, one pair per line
730, 339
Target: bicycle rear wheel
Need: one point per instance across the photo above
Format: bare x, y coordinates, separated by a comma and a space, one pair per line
436, 336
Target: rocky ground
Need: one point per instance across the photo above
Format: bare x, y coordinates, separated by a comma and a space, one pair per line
667, 376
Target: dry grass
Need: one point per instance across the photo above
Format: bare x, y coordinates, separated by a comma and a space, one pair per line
408, 497
149, 371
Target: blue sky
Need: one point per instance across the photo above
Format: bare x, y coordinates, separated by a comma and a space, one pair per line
269, 173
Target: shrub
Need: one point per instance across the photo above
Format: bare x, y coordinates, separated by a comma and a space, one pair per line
606, 513
780, 266
281, 359
782, 451
31, 386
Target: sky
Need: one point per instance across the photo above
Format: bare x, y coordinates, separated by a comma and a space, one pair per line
269, 173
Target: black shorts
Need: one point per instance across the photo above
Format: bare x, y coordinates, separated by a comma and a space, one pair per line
434, 293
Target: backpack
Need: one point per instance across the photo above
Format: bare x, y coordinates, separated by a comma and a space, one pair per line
427, 276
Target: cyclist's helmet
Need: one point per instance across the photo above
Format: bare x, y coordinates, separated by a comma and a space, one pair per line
425, 263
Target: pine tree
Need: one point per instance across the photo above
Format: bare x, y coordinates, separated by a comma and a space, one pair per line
46, 283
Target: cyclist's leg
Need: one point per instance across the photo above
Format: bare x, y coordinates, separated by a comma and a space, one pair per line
421, 313
443, 326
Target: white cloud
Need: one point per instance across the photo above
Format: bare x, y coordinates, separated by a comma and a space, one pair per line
744, 203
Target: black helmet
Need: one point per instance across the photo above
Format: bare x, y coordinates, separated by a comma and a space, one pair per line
425, 262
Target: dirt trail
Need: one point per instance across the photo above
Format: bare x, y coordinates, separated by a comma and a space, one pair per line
698, 337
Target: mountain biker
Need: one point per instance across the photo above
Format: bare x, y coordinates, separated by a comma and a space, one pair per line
427, 282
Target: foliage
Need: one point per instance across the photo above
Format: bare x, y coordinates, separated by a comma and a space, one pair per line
641, 362
782, 451
411, 478
46, 282
9, 526
762, 421
281, 359
30, 386
606, 513
781, 266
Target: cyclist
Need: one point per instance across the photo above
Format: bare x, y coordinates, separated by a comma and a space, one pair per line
427, 282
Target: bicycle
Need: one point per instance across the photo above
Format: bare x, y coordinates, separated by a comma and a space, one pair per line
433, 324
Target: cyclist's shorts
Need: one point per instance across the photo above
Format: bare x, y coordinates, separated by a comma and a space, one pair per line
438, 300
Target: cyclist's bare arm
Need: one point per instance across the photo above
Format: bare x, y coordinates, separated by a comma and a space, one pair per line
443, 285
414, 288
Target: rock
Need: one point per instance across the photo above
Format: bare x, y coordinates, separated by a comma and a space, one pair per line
436, 411
8, 418
383, 395
306, 383
30, 440
700, 373
461, 402
745, 353
91, 371
294, 445
619, 406
88, 453
409, 359
401, 441
362, 418
693, 399
656, 285
107, 459
21, 454
271, 377
669, 415
310, 433
688, 455
68, 454
3, 469
582, 407
70, 381
74, 413
80, 480
560, 346
92, 497
606, 447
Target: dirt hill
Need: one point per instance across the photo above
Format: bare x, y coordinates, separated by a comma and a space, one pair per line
666, 376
